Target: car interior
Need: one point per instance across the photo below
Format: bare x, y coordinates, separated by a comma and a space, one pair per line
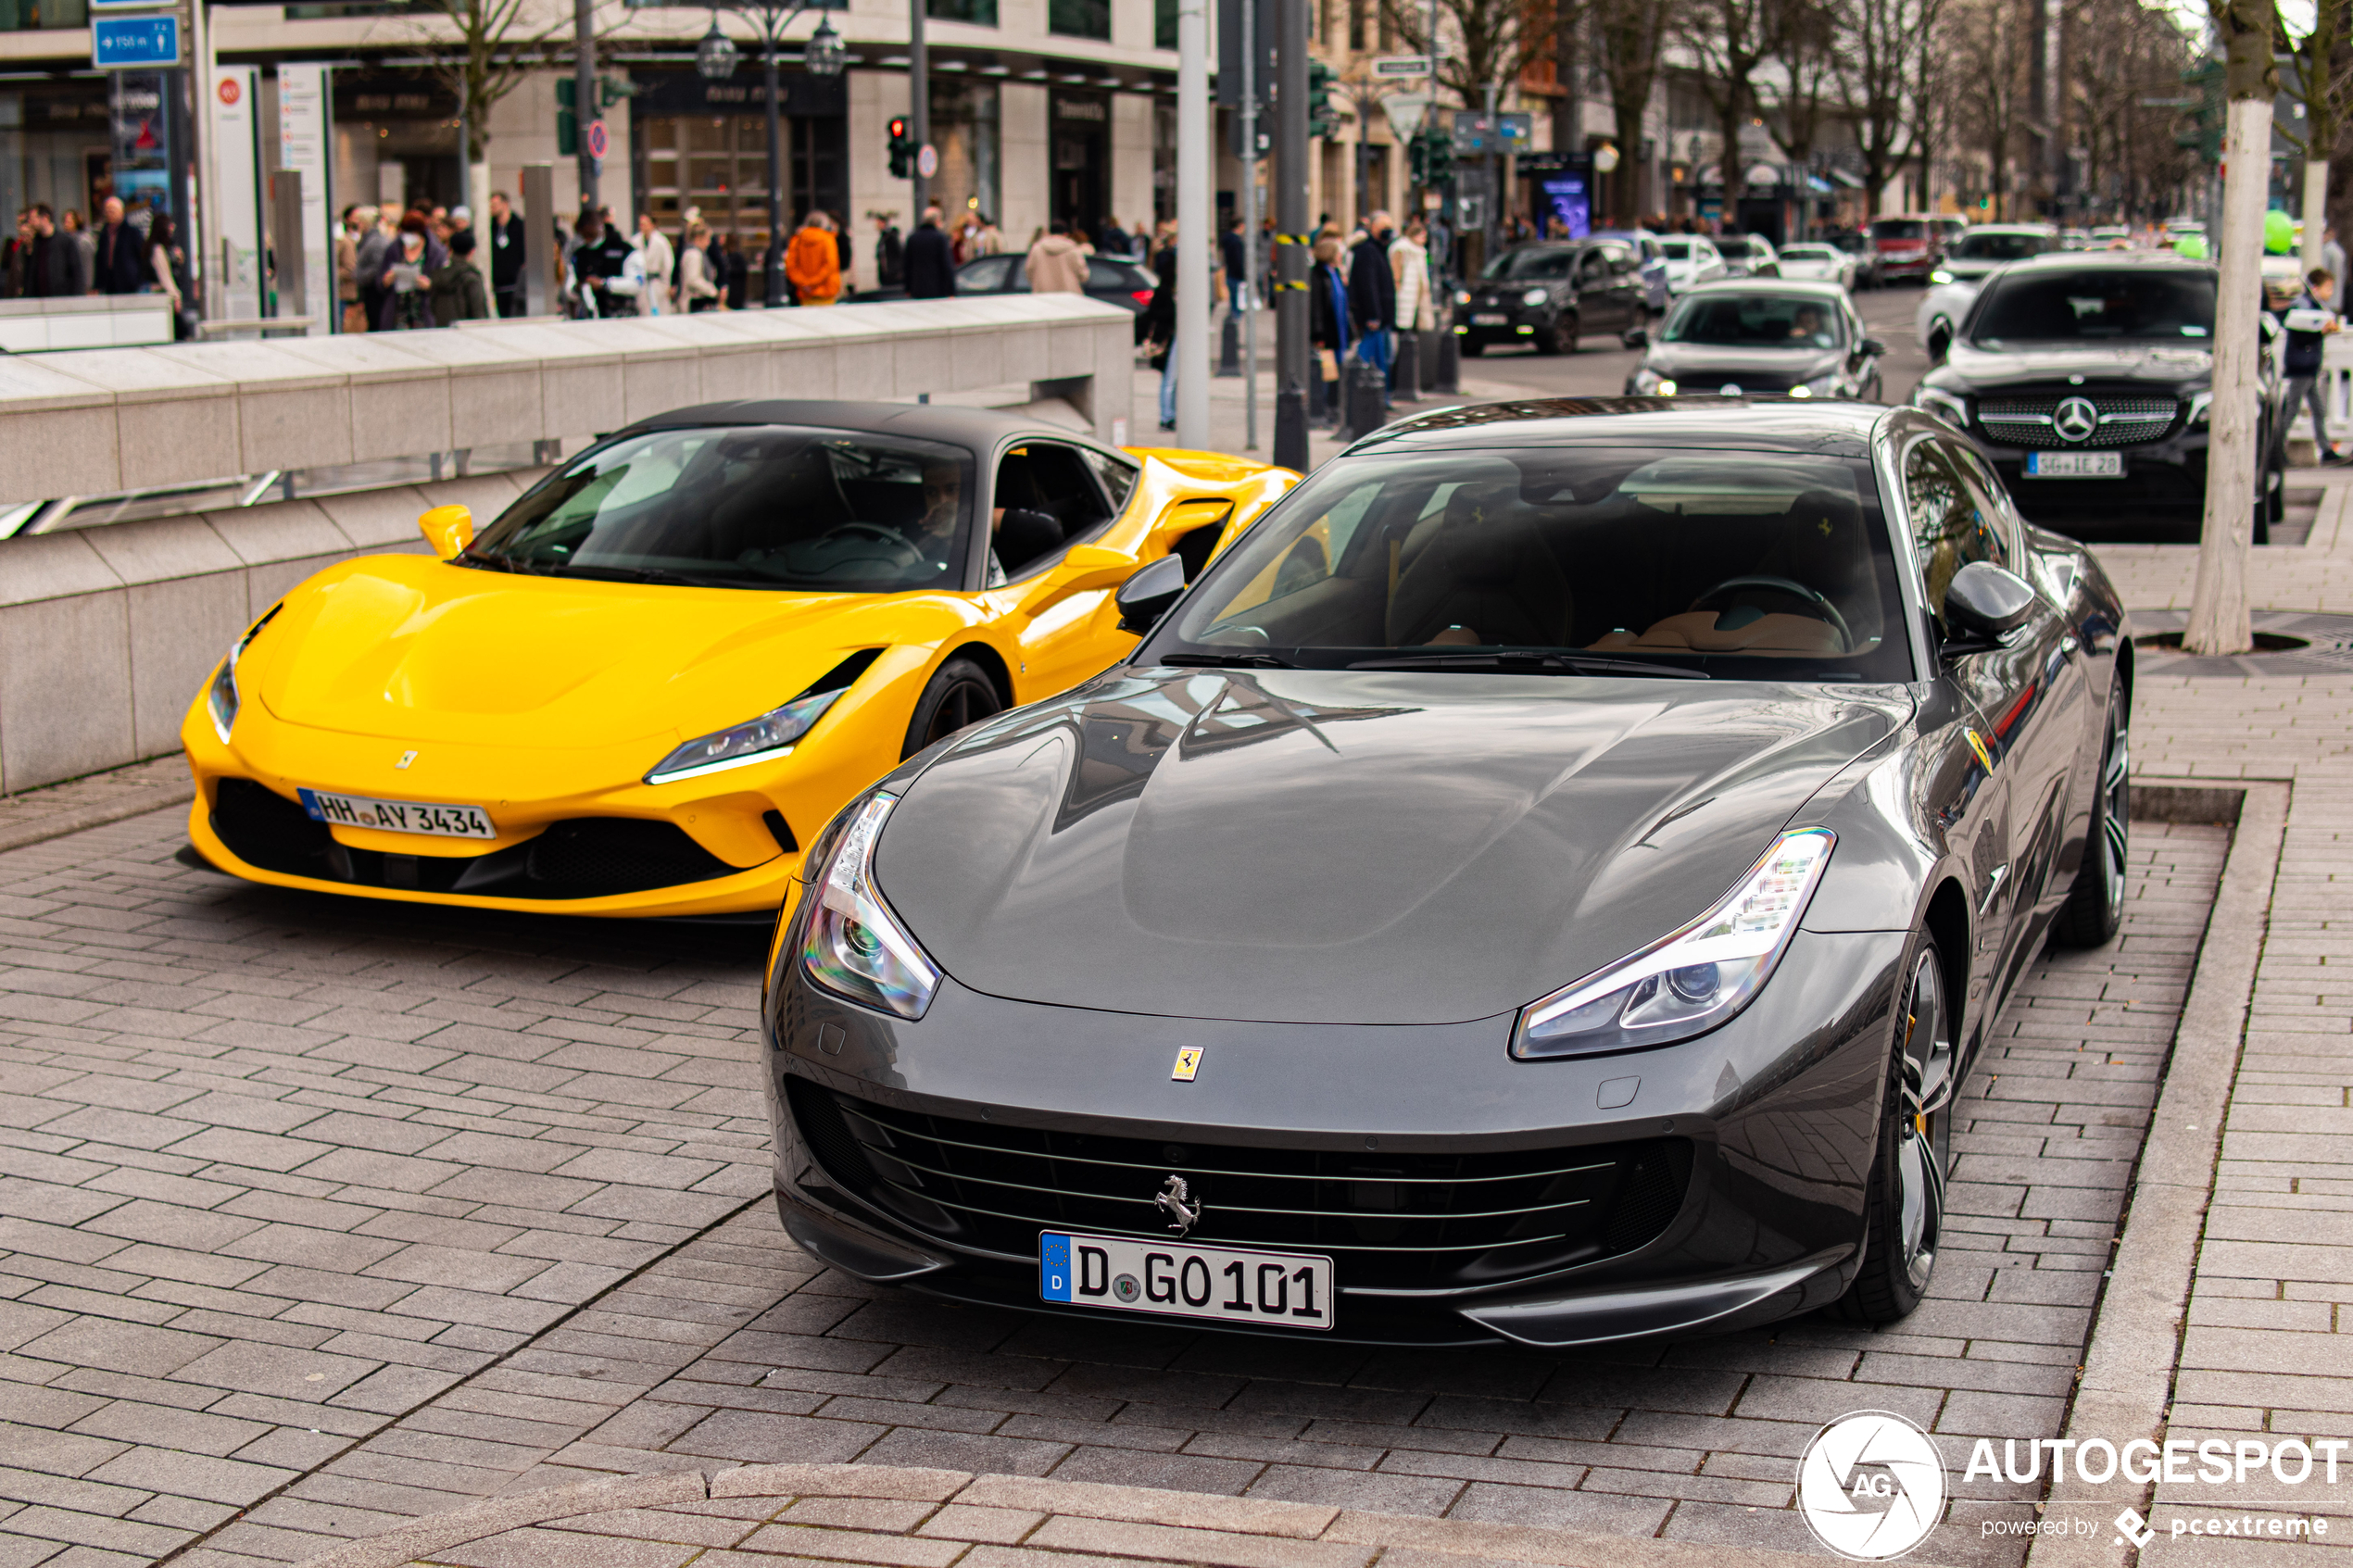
1046, 499
1758, 321
1676, 554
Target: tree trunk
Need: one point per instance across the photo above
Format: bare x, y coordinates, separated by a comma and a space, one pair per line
2219, 609
2316, 210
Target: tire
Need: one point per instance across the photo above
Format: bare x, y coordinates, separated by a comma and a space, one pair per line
959, 695
2094, 905
1940, 342
1561, 337
1903, 1217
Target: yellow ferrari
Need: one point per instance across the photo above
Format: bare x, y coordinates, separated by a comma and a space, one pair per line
645, 686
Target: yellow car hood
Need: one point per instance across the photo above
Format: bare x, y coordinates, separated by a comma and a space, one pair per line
413, 648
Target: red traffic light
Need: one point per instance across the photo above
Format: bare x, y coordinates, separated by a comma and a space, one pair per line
898, 129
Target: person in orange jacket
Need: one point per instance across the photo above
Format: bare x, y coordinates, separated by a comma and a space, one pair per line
812, 262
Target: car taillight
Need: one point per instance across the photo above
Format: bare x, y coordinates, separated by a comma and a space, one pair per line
1142, 297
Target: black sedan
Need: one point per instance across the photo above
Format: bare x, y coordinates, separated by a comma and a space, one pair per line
1546, 883
2087, 378
1114, 279
1745, 337
1549, 295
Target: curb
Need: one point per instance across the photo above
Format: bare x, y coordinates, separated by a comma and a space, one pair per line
1164, 1525
57, 824
2126, 1387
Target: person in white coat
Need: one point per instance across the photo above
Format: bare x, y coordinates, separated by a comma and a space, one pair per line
653, 250
1409, 262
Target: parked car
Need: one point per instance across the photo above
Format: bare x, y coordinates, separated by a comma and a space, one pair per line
1857, 243
645, 686
1825, 263
1749, 256
1691, 259
1908, 244
2087, 379
1650, 248
1549, 294
1651, 1016
1742, 338
1111, 279
1954, 282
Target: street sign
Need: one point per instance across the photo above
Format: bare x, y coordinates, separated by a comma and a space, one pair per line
1395, 67
600, 140
927, 161
119, 7
1405, 111
149, 42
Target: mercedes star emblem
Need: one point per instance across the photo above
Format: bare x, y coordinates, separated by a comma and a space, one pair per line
1176, 1200
2075, 419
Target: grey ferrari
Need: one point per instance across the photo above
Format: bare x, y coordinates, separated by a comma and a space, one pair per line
1545, 882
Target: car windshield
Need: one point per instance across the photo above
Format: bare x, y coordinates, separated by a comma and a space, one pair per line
1675, 250
1574, 560
1756, 321
1530, 261
1899, 228
2103, 304
773, 507
1809, 253
1999, 247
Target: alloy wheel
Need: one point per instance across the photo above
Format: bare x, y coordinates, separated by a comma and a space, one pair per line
2116, 811
963, 703
1924, 1142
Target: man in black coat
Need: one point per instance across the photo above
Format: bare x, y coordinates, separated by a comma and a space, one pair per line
930, 265
121, 266
506, 256
58, 269
1372, 292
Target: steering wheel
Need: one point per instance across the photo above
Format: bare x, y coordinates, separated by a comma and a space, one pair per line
1823, 610
888, 537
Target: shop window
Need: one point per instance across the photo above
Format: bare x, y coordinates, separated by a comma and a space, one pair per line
1079, 19
1164, 24
964, 130
23, 15
980, 13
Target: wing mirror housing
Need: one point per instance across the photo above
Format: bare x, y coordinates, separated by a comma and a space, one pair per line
1145, 596
1982, 605
447, 529
1638, 337
1874, 348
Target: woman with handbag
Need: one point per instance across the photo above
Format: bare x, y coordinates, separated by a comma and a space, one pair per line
1328, 315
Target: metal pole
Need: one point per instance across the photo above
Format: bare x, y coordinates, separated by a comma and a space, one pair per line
585, 109
773, 294
1491, 210
1195, 234
1249, 9
919, 101
209, 282
1290, 224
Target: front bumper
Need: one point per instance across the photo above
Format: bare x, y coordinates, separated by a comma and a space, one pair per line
1731, 1168
2159, 476
1521, 323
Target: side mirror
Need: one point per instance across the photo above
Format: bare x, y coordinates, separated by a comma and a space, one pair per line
1874, 348
1983, 604
1145, 596
447, 529
1638, 337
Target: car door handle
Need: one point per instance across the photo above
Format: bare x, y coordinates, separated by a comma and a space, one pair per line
1993, 886
2070, 643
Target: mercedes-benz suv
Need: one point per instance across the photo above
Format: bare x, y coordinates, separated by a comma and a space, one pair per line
2087, 379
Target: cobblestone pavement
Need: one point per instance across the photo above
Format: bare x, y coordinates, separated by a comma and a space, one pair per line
322, 1215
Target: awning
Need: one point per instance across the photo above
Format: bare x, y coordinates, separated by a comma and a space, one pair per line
1852, 183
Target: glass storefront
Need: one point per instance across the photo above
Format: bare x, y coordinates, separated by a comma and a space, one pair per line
55, 145
703, 146
964, 130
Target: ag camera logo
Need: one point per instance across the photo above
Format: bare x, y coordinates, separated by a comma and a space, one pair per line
1871, 1486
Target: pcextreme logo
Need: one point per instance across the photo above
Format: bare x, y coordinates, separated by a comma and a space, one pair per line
1871, 1486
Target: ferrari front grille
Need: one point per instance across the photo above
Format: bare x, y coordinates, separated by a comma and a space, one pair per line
2032, 421
1400, 1221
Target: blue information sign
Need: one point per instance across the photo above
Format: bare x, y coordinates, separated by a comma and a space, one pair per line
135, 43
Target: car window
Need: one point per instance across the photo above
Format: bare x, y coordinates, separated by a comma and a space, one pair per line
1952, 523
2102, 303
774, 507
1756, 321
1106, 277
985, 276
1677, 250
1770, 566
2000, 247
1996, 497
1532, 262
1899, 228
1046, 499
1117, 475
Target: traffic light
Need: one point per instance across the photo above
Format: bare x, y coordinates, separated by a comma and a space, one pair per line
1322, 119
567, 117
903, 148
1432, 152
2205, 115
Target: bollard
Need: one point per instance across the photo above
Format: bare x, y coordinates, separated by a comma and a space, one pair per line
1448, 381
1318, 403
1290, 428
1405, 383
1229, 346
1363, 393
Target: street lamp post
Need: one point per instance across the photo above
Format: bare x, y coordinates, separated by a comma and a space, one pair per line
822, 56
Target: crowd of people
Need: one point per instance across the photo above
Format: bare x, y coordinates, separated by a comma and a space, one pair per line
131, 249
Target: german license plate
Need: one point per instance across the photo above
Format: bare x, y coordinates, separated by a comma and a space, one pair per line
1173, 1279
398, 816
2075, 465
1490, 319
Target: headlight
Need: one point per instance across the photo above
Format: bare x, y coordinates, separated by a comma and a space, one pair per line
1831, 385
1688, 983
1462, 297
1649, 382
1534, 296
1943, 403
754, 740
1802, 389
2201, 407
856, 947
221, 699
1940, 276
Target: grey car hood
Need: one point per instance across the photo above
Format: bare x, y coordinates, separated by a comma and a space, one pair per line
1337, 846
2171, 364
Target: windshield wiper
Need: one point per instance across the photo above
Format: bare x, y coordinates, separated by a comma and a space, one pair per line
1531, 663
1226, 661
634, 574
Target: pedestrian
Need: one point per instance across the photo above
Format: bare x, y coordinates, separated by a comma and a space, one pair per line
459, 290
696, 291
1233, 254
812, 262
507, 249
930, 263
17, 258
347, 271
1114, 240
660, 264
890, 251
1328, 315
120, 267
990, 240
1372, 293
408, 283
844, 253
163, 265
2311, 318
57, 269
379, 235
1055, 265
1409, 265
737, 271
70, 221
597, 268
1156, 328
